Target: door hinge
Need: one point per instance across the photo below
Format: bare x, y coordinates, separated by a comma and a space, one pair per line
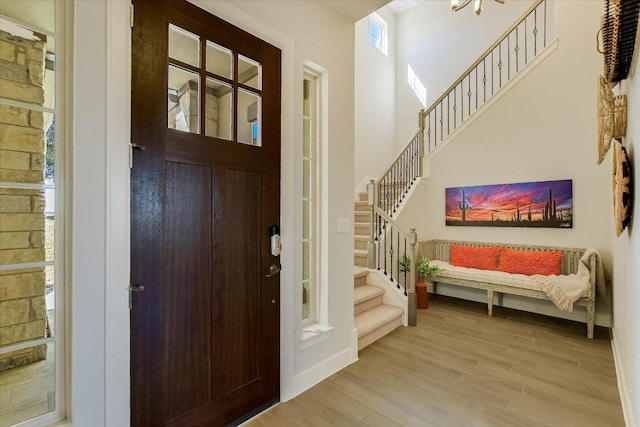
134, 146
133, 288
131, 15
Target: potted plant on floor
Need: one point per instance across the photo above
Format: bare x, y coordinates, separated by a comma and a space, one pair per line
425, 269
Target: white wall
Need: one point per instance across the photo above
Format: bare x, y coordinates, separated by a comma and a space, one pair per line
440, 45
626, 269
374, 101
321, 35
543, 128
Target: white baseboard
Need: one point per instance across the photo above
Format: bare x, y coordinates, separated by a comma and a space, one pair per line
313, 375
627, 407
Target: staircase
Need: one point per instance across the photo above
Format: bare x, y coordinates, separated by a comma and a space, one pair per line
472, 92
373, 318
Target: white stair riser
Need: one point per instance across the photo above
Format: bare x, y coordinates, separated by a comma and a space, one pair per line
361, 244
362, 217
362, 230
366, 305
359, 281
378, 333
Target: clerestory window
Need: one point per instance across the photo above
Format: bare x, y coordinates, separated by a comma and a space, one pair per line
378, 33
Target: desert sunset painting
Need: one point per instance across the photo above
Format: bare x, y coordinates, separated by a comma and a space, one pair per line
529, 204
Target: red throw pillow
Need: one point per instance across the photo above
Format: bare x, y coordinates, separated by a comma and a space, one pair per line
529, 263
485, 258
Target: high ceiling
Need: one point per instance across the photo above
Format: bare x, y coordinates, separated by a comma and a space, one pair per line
355, 10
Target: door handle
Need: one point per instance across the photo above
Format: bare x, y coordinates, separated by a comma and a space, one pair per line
273, 270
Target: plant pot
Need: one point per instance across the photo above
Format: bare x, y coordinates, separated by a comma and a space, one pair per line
421, 293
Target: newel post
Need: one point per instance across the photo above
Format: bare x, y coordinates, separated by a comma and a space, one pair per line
371, 246
412, 319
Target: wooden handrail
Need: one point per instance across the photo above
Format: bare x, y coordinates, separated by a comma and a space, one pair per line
484, 55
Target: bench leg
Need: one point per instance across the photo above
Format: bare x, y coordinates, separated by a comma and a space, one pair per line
490, 301
591, 317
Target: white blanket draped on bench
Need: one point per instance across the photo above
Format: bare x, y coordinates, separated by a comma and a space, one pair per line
565, 290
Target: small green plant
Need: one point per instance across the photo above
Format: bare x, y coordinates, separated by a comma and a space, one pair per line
405, 263
423, 267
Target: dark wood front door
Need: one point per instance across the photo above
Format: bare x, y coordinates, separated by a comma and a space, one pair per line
204, 192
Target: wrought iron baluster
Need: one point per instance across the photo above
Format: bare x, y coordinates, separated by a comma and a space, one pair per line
405, 270
500, 63
391, 252
476, 88
461, 101
407, 169
535, 32
384, 237
441, 118
545, 24
429, 132
469, 94
526, 43
398, 261
484, 80
394, 186
517, 49
455, 108
508, 57
379, 225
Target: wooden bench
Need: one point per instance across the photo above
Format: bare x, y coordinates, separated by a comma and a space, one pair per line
441, 250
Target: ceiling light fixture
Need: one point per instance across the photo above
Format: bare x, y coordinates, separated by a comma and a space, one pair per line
456, 5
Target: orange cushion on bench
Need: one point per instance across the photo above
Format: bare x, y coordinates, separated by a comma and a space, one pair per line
485, 258
529, 263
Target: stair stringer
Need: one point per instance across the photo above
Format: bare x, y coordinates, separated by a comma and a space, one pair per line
392, 295
539, 59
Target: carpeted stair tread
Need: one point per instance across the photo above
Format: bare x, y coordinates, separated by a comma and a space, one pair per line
365, 293
362, 206
368, 321
359, 271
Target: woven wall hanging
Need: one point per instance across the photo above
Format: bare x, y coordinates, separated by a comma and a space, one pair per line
622, 187
619, 26
618, 31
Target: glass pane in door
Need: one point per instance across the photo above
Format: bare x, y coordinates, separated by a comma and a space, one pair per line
249, 72
219, 60
219, 110
249, 112
184, 46
184, 100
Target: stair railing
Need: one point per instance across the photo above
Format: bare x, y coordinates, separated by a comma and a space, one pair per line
392, 251
517, 46
397, 180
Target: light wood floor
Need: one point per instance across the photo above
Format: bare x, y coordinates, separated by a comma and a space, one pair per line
459, 367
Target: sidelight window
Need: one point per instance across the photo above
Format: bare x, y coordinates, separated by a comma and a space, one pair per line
31, 266
309, 201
